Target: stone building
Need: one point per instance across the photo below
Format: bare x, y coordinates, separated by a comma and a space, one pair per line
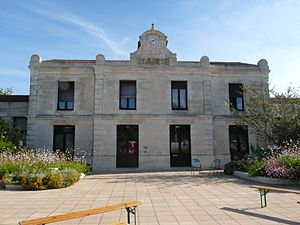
149, 112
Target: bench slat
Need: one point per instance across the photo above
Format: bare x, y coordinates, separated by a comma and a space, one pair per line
275, 189
73, 215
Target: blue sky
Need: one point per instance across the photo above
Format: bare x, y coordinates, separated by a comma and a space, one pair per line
227, 30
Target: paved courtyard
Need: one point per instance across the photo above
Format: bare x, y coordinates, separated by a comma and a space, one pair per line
173, 198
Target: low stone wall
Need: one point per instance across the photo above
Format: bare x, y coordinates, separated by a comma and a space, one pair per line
264, 180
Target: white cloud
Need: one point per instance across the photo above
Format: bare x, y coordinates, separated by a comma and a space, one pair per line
63, 16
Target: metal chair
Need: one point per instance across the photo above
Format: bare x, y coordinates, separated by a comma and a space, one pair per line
215, 166
196, 165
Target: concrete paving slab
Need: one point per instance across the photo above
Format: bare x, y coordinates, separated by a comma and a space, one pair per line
170, 198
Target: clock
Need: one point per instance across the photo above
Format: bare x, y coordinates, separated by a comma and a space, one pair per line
152, 41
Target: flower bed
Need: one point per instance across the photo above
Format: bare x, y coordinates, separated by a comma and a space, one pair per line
282, 163
39, 170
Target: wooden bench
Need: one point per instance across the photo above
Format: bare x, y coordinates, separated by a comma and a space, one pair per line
129, 206
265, 189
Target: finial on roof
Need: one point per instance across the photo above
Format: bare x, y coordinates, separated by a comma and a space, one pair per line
152, 26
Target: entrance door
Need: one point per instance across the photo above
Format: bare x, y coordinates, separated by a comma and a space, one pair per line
238, 139
127, 146
180, 145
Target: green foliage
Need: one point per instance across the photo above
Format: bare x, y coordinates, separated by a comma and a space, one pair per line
232, 166
34, 182
70, 177
6, 145
7, 91
9, 136
256, 168
40, 170
54, 180
275, 120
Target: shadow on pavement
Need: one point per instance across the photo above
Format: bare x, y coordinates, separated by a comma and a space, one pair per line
253, 214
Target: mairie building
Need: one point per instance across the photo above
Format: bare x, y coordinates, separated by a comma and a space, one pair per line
151, 112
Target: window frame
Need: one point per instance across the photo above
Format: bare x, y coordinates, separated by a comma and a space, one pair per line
233, 103
128, 98
65, 102
173, 83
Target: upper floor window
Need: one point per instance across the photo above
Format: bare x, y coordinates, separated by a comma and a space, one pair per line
65, 95
127, 94
236, 97
179, 95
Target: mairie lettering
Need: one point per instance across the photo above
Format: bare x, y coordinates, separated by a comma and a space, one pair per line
154, 61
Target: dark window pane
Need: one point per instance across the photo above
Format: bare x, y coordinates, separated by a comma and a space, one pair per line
179, 95
123, 103
236, 96
182, 98
21, 123
131, 103
175, 99
69, 105
64, 139
61, 105
127, 94
238, 139
239, 103
65, 95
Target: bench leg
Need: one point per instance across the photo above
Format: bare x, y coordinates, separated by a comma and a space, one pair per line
133, 211
263, 194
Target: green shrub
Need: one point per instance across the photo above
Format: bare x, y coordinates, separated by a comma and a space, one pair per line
232, 166
256, 168
54, 180
34, 182
70, 177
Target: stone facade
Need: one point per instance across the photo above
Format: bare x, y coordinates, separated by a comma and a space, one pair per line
153, 67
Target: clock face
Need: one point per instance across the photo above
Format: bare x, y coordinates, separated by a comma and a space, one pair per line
152, 41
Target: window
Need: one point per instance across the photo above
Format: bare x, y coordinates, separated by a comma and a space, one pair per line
236, 97
65, 96
21, 123
179, 95
64, 137
238, 142
127, 94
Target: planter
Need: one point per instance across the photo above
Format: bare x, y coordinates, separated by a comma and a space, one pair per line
14, 187
264, 180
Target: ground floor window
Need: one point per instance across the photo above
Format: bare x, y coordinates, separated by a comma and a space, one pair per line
180, 146
238, 142
127, 146
21, 123
64, 137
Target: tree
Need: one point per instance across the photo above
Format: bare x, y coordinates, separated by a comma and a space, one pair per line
276, 120
10, 136
7, 91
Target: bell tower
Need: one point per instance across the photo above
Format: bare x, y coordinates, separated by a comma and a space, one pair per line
152, 49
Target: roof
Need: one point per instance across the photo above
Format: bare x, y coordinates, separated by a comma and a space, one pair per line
93, 61
70, 61
232, 63
14, 98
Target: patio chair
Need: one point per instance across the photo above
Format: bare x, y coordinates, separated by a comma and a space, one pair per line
196, 166
215, 166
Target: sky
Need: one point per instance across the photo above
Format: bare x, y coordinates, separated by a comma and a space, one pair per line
224, 30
